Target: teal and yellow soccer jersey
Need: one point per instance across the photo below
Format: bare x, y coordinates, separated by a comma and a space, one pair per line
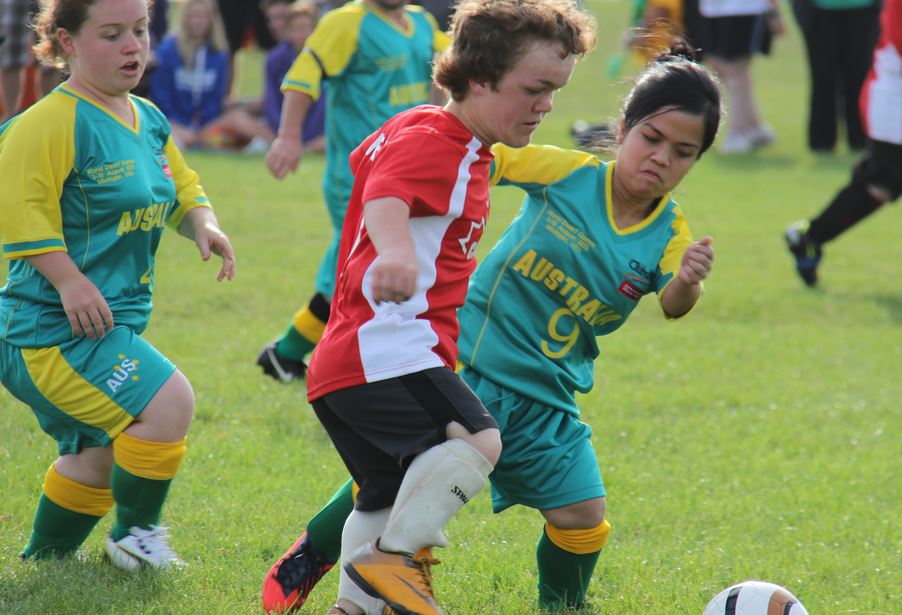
374, 69
562, 274
77, 179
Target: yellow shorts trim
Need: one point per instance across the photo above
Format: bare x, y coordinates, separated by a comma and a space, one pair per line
309, 325
70, 392
580, 542
153, 460
75, 496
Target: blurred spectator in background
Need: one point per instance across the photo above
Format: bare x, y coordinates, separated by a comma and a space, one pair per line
839, 39
159, 26
293, 29
190, 80
17, 85
877, 178
243, 20
732, 31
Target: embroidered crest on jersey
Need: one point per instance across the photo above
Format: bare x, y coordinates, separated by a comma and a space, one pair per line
164, 164
469, 243
123, 372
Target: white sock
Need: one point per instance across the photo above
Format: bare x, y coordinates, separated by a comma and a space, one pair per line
437, 484
360, 528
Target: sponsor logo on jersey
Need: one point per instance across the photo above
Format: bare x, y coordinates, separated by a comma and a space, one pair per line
637, 283
164, 164
123, 372
629, 290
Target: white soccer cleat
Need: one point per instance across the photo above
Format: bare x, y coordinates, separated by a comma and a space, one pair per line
143, 548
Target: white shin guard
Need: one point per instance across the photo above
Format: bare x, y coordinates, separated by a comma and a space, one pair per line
360, 529
437, 484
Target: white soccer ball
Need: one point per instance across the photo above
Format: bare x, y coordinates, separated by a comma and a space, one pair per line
755, 598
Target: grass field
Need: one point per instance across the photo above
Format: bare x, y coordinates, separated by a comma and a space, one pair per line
758, 438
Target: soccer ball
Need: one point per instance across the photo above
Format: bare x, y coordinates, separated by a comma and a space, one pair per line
755, 598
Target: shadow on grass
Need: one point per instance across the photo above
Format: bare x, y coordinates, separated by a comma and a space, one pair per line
891, 303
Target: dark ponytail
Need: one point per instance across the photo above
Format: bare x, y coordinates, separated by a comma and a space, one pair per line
675, 80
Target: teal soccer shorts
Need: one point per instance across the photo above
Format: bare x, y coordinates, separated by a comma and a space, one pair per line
547, 460
85, 392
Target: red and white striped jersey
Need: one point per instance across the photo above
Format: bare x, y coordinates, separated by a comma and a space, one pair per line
427, 158
881, 95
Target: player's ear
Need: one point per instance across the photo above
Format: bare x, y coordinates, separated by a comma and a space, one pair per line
65, 41
478, 87
621, 131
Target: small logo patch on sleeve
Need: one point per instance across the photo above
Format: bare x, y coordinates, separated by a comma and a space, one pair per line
630, 290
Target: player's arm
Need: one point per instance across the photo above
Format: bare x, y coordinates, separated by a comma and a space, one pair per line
285, 152
327, 53
394, 274
200, 225
685, 288
38, 154
85, 307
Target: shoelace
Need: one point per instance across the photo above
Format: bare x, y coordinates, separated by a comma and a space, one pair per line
425, 562
300, 564
156, 540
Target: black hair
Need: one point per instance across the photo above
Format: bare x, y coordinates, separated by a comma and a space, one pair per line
675, 80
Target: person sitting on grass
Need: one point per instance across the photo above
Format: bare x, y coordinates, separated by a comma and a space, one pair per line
190, 80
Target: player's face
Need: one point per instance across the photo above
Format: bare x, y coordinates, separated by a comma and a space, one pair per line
110, 51
655, 154
198, 20
299, 30
510, 112
277, 20
389, 5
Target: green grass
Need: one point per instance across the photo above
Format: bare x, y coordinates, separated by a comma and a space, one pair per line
757, 438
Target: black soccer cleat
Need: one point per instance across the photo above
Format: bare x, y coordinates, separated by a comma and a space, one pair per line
805, 250
280, 368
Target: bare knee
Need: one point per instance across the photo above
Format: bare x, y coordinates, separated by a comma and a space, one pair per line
91, 466
168, 415
583, 515
487, 441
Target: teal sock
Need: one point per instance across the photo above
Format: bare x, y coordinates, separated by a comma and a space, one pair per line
325, 527
139, 501
563, 576
56, 530
293, 345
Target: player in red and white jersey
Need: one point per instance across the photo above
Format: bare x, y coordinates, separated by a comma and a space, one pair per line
432, 162
414, 437
877, 178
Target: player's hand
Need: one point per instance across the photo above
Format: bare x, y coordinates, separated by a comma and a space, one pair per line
87, 310
697, 261
394, 276
283, 156
211, 240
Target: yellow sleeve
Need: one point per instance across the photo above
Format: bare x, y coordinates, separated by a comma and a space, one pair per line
37, 154
188, 191
536, 164
440, 40
673, 255
328, 50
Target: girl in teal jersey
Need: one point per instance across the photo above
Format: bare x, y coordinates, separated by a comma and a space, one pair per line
591, 239
91, 178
